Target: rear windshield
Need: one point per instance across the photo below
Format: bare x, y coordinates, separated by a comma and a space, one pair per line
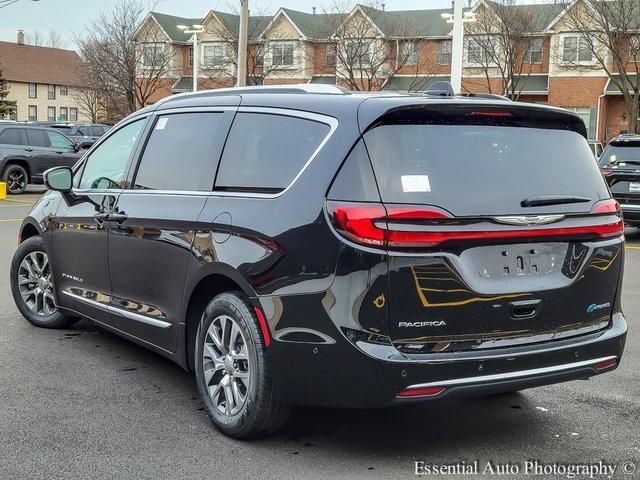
482, 169
619, 153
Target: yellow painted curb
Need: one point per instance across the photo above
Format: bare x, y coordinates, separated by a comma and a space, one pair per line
3, 190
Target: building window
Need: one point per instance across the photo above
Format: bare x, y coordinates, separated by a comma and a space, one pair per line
33, 113
214, 55
51, 114
330, 54
443, 52
191, 56
64, 90
152, 54
534, 52
73, 114
282, 54
51, 92
408, 53
588, 116
477, 51
576, 49
259, 56
13, 112
358, 53
64, 114
634, 49
33, 90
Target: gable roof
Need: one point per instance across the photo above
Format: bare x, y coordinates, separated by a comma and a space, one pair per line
169, 23
28, 63
313, 25
542, 14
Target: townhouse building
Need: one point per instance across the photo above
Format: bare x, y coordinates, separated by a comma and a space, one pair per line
43, 82
371, 48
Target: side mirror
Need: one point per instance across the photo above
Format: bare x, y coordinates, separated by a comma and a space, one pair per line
59, 179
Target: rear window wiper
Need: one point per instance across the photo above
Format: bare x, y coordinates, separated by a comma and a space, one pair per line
542, 200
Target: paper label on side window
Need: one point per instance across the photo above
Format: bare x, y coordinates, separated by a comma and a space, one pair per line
162, 123
415, 183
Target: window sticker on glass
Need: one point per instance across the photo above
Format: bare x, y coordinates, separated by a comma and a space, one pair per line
634, 187
162, 123
415, 183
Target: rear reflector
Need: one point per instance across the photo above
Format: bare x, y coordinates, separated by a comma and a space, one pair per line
606, 364
420, 392
402, 226
263, 326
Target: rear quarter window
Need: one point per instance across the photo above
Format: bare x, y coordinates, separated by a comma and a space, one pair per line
265, 152
10, 136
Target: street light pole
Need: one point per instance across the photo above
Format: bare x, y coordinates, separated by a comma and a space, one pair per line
458, 19
457, 47
195, 30
242, 43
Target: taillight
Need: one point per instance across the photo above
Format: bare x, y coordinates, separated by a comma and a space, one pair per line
606, 170
358, 221
401, 226
609, 205
491, 113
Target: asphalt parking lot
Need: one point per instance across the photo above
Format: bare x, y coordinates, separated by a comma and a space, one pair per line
83, 403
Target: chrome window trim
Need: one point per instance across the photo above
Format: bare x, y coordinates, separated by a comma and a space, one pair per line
118, 311
327, 120
512, 375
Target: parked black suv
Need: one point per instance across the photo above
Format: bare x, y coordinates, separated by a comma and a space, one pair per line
83, 134
303, 245
620, 165
26, 152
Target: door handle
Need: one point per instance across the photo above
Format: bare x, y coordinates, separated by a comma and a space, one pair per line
119, 218
101, 217
28, 149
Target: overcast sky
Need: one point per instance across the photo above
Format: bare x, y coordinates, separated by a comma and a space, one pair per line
70, 16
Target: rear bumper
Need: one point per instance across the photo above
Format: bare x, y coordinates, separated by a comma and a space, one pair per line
366, 375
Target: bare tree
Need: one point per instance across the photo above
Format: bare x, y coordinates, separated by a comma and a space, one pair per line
606, 37
501, 44
54, 39
89, 95
129, 72
6, 106
372, 45
34, 38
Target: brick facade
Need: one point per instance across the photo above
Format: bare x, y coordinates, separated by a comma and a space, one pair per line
554, 83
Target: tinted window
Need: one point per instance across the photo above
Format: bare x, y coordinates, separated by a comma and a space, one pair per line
618, 153
63, 128
10, 136
105, 166
96, 131
182, 152
59, 141
482, 170
36, 138
355, 181
266, 152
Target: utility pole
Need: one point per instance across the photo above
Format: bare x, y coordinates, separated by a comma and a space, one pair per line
242, 43
457, 47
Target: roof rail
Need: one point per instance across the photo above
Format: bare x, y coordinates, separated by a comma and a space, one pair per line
282, 89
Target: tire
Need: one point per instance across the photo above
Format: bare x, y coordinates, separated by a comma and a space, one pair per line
259, 414
16, 178
30, 251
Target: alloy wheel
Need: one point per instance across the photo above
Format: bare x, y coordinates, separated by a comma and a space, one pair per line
225, 360
16, 181
36, 284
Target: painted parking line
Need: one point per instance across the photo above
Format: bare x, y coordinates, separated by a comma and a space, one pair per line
632, 247
4, 205
11, 219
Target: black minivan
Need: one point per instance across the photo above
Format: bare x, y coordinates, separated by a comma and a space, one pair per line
303, 245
